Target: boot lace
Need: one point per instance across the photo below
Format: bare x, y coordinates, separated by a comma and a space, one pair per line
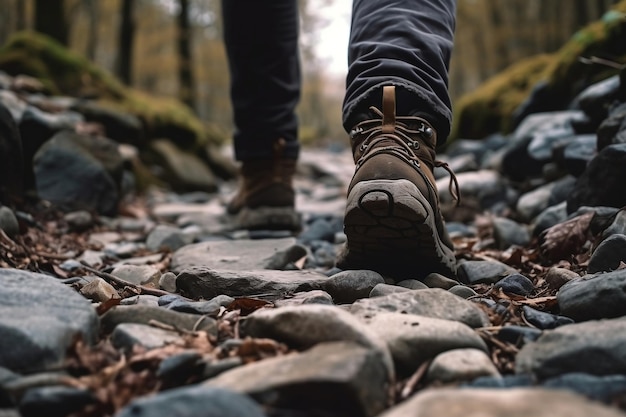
401, 144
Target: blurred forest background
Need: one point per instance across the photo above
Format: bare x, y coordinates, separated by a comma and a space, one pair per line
174, 47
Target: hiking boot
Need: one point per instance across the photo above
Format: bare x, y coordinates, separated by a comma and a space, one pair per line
393, 222
265, 199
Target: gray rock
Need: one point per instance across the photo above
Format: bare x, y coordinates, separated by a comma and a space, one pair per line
201, 307
381, 290
557, 277
141, 300
193, 401
141, 314
127, 335
551, 216
167, 282
507, 233
594, 296
461, 365
412, 284
79, 220
543, 320
484, 402
79, 171
617, 226
138, 274
308, 325
463, 291
436, 280
349, 286
608, 255
99, 290
594, 99
412, 340
207, 283
599, 388
168, 238
306, 297
58, 401
515, 284
341, 377
518, 335
601, 184
483, 272
578, 152
120, 126
183, 170
611, 127
39, 319
241, 255
595, 347
11, 154
8, 222
431, 302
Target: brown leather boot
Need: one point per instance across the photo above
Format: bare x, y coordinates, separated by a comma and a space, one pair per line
266, 198
393, 223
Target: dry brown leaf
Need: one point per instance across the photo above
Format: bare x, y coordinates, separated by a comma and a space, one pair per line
248, 305
566, 239
107, 305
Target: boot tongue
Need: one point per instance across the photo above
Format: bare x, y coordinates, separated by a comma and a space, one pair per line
389, 109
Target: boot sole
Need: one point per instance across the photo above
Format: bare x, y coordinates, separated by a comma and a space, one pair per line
390, 228
268, 218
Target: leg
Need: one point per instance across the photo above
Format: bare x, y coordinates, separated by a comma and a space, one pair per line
399, 56
261, 40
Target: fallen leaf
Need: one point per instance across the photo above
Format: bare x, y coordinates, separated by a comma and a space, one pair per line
565, 239
248, 305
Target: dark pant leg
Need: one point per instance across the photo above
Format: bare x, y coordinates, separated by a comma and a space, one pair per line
261, 38
406, 43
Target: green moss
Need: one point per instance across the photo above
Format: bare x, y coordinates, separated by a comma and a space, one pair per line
65, 72
489, 108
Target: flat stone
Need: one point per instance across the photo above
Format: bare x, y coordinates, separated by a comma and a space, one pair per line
607, 389
307, 325
99, 290
142, 314
8, 222
349, 286
594, 296
461, 365
593, 347
233, 255
484, 402
436, 280
463, 291
40, 318
507, 233
412, 340
306, 297
483, 272
200, 307
515, 284
56, 400
341, 378
208, 283
167, 282
193, 401
127, 335
608, 255
381, 290
412, 284
138, 274
557, 277
431, 302
543, 320
164, 237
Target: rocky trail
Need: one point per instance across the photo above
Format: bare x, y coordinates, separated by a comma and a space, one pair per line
150, 304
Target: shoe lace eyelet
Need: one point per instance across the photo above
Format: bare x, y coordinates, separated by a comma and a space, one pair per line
415, 163
363, 147
414, 144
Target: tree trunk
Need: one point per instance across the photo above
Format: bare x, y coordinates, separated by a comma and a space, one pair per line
125, 43
20, 15
185, 62
92, 40
50, 19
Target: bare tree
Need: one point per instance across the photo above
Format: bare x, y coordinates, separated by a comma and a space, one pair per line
50, 19
124, 67
185, 61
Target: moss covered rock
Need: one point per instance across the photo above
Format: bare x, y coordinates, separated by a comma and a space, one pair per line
562, 76
65, 72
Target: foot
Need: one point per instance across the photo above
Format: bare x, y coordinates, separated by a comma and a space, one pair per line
393, 222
